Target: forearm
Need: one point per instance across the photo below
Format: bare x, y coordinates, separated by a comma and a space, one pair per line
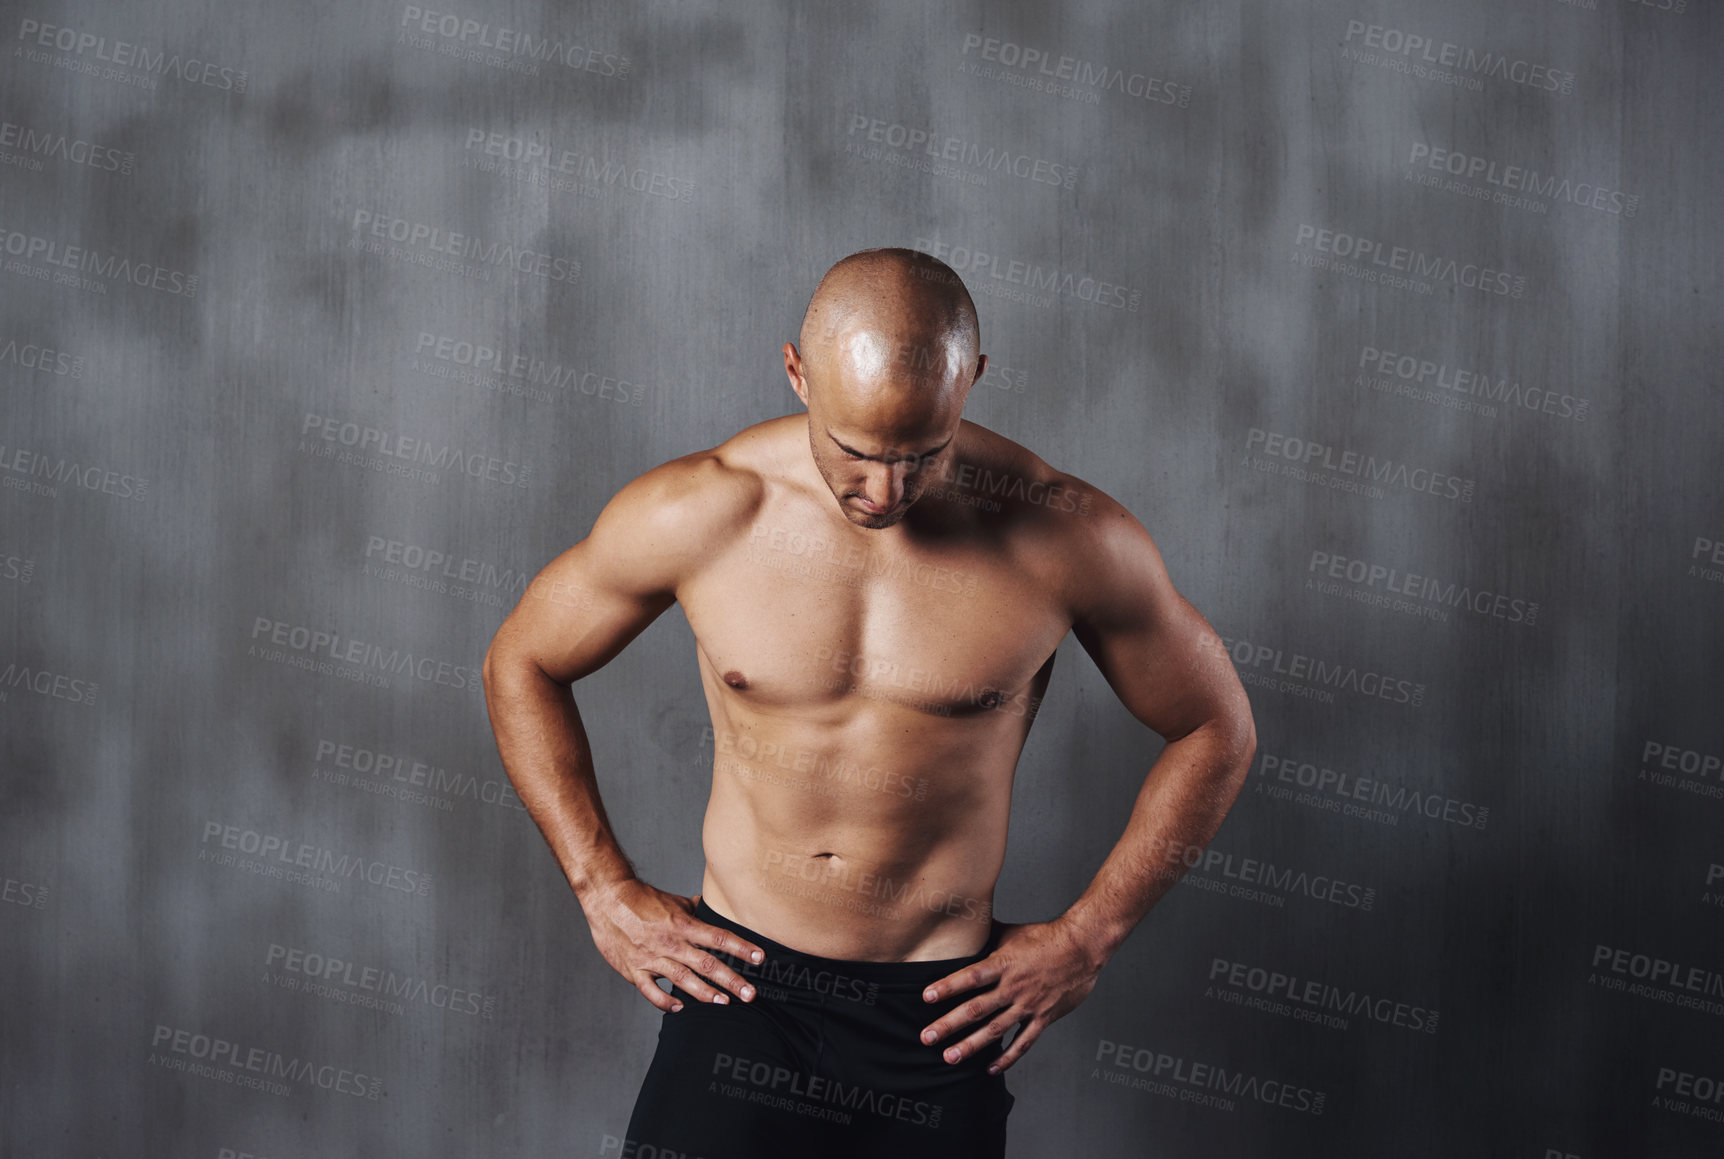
1183, 800
546, 755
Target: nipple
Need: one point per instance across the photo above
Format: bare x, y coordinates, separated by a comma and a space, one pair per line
735, 679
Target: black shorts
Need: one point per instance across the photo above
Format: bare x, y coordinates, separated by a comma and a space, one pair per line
826, 1062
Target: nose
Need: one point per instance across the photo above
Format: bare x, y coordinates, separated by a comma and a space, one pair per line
883, 485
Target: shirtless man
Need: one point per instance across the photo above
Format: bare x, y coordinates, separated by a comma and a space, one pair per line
876, 589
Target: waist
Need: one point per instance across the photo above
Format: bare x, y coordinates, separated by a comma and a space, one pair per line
791, 967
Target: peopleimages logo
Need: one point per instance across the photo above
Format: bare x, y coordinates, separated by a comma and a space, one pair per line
467, 247
1409, 371
1192, 1081
518, 157
43, 359
356, 982
75, 260
1366, 796
1058, 73
1649, 976
778, 1087
22, 468
1690, 1094
1518, 179
1436, 58
1247, 872
274, 850
1378, 258
373, 444
1031, 277
225, 1059
56, 685
524, 371
122, 54
74, 150
528, 47
914, 139
1308, 456
314, 645
1371, 582
1310, 1000
1675, 767
1313, 676
338, 760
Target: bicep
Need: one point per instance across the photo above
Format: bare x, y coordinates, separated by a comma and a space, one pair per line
589, 602
1156, 651
576, 616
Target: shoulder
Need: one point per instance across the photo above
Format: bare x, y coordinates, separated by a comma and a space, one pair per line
998, 476
1087, 545
682, 510
1005, 478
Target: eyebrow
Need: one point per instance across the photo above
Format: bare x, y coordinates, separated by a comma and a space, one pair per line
874, 458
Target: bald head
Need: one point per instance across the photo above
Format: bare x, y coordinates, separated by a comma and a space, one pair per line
890, 349
893, 321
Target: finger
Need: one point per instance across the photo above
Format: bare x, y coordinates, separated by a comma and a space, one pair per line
709, 967
992, 1032
649, 988
1027, 1035
966, 1014
971, 977
680, 974
702, 934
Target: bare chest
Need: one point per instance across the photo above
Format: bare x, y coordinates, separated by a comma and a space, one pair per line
790, 618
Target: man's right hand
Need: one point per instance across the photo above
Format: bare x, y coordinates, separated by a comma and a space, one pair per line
647, 934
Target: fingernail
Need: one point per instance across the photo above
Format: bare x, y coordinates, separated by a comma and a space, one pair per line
675, 1006
722, 999
928, 1037
757, 956
930, 995
953, 1055
747, 992
993, 1070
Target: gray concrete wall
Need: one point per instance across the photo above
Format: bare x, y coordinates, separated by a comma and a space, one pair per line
1395, 323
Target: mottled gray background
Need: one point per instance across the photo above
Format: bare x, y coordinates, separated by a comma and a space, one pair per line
239, 144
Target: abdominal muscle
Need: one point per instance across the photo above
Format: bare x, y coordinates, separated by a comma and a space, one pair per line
842, 846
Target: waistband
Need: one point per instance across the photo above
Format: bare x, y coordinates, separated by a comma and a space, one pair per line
913, 975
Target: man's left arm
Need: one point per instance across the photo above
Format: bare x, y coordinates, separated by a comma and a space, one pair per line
1171, 671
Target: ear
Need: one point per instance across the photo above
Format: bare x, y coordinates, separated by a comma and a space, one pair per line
793, 371
981, 369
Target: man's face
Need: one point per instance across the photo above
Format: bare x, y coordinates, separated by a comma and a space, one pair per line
880, 432
876, 475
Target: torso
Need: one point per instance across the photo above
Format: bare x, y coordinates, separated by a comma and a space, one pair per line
870, 694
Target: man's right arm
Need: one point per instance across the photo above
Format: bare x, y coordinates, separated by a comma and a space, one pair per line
578, 613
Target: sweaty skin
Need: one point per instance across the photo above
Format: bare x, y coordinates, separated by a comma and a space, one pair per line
876, 590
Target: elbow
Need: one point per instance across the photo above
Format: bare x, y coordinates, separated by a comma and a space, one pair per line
505, 672
1247, 751
491, 669
1245, 737
1237, 732
1245, 734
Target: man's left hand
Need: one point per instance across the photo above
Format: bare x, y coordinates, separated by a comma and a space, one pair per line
1039, 972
